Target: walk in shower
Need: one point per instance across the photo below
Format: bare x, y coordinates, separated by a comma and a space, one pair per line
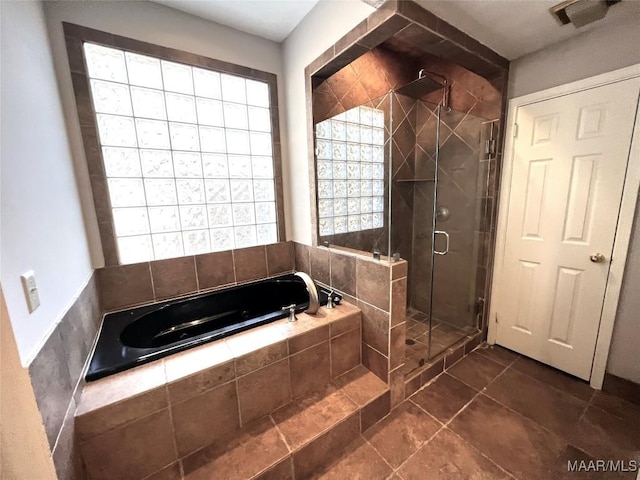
409, 173
439, 187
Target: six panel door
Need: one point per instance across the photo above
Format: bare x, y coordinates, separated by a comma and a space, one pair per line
569, 165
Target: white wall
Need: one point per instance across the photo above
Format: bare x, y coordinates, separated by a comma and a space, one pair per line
322, 27
160, 25
595, 52
42, 224
598, 51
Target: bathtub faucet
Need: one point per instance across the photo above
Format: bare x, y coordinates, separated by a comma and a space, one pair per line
314, 299
292, 312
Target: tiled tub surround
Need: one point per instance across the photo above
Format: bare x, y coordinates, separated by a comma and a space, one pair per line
189, 410
140, 283
56, 376
57, 370
379, 288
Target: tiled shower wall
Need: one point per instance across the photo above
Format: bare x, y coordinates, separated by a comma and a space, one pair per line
466, 181
55, 376
474, 100
458, 190
379, 289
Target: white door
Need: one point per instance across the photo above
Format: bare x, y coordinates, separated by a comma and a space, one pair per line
569, 163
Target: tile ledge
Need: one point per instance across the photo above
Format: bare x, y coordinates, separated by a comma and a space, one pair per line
103, 389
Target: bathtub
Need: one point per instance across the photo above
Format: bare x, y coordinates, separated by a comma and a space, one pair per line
133, 337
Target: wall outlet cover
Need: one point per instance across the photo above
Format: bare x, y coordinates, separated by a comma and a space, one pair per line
30, 290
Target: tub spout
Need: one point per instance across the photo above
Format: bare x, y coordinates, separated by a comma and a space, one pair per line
314, 299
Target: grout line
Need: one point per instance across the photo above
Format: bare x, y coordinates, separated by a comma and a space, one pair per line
521, 415
443, 425
366, 440
181, 468
153, 286
235, 381
174, 437
485, 346
509, 474
266, 260
280, 434
233, 262
589, 404
553, 387
195, 269
423, 444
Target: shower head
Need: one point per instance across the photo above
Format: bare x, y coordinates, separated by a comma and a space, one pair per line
419, 88
425, 85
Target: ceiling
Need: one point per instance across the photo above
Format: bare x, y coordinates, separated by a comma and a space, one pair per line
270, 19
512, 28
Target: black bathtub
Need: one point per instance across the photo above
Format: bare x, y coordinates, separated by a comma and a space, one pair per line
132, 337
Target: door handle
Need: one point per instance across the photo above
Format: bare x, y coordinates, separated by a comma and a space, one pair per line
597, 258
446, 248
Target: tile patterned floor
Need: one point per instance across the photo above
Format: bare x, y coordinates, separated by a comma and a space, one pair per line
495, 415
417, 350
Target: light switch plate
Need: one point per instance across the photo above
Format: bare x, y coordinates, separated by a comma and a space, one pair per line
30, 290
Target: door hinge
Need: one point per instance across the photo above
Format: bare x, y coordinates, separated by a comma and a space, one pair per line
497, 318
515, 130
490, 148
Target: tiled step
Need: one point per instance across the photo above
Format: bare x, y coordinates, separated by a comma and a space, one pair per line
294, 440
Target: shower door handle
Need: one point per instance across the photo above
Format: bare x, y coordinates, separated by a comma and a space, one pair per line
446, 248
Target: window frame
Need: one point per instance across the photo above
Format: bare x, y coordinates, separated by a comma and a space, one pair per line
75, 37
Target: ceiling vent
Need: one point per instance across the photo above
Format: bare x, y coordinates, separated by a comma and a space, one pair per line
581, 12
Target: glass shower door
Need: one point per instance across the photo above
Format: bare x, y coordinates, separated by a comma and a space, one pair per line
438, 191
458, 196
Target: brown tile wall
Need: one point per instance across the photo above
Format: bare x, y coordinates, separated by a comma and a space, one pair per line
379, 288
56, 377
137, 422
127, 285
367, 79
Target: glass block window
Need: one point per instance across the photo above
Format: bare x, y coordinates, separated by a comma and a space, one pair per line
350, 171
187, 153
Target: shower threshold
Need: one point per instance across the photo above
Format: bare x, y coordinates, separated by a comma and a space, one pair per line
444, 336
